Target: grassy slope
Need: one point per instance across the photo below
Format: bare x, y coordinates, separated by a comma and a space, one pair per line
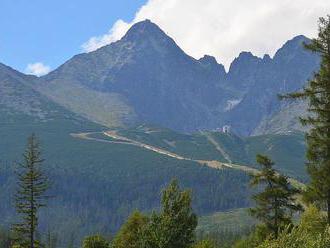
190, 146
287, 150
97, 185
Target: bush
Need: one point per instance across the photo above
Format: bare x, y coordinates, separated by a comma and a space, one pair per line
129, 236
311, 232
205, 244
95, 242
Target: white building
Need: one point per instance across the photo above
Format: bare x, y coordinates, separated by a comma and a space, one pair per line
226, 129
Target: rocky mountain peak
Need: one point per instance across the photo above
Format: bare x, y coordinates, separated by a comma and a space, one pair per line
244, 60
145, 30
211, 63
292, 48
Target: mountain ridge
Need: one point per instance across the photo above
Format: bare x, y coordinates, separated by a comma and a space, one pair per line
147, 78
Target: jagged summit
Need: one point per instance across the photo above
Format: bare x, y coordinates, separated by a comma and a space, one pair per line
292, 47
207, 59
146, 77
211, 63
244, 59
266, 57
145, 29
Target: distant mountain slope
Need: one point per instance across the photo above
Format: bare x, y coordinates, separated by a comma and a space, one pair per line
146, 78
150, 75
288, 71
284, 120
19, 101
286, 149
96, 184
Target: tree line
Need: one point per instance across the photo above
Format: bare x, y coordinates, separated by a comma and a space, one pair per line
275, 203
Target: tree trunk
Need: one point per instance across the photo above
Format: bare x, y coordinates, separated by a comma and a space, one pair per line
276, 218
32, 212
328, 206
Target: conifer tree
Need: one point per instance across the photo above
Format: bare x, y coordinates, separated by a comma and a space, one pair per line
30, 195
175, 225
276, 202
317, 93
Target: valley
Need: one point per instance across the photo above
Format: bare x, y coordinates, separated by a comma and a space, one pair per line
116, 125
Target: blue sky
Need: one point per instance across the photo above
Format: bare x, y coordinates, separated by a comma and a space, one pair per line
45, 33
52, 31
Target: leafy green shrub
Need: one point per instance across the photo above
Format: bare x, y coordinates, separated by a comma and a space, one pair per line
129, 236
205, 244
95, 242
311, 232
254, 239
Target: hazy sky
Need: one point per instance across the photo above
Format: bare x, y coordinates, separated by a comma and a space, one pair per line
38, 35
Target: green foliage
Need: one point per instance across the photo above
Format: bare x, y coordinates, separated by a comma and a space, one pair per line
6, 238
82, 167
205, 244
30, 196
130, 234
175, 225
225, 228
95, 241
195, 146
311, 232
260, 233
318, 138
287, 149
275, 204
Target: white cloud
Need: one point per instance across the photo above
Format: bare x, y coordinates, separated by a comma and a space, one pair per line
224, 28
115, 33
38, 69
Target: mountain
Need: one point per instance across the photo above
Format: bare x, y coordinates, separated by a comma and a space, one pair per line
266, 78
146, 78
96, 183
286, 119
146, 74
20, 101
286, 149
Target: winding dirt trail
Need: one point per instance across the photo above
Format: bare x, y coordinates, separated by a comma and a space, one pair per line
119, 139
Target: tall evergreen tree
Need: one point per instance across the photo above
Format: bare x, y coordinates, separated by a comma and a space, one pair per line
30, 195
175, 225
276, 202
317, 93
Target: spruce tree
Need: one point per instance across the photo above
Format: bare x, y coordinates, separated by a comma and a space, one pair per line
275, 203
175, 225
30, 195
317, 93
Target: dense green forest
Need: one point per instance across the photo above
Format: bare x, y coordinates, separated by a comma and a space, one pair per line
97, 185
133, 197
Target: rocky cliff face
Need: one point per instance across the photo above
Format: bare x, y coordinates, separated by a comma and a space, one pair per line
264, 79
151, 76
146, 78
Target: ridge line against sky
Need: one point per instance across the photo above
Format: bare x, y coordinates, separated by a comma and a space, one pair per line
223, 28
39, 36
